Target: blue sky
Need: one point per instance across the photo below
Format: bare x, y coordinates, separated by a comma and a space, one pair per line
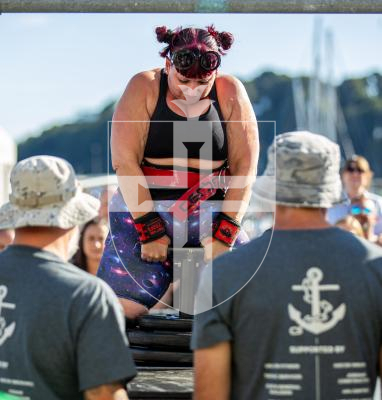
55, 66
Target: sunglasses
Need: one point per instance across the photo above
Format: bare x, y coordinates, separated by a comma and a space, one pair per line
354, 169
186, 58
357, 210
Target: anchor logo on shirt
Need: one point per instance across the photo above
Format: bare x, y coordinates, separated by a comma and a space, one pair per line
5, 331
319, 320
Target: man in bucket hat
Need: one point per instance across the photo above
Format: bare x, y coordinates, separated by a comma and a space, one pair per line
62, 330
299, 310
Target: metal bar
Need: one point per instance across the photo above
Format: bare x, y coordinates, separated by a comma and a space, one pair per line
190, 6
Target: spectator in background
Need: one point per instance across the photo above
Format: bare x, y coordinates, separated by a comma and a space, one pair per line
365, 211
357, 178
62, 331
6, 238
351, 224
91, 245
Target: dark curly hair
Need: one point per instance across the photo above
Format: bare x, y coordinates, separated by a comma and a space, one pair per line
204, 39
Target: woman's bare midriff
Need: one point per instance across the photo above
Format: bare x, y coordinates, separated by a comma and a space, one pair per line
190, 162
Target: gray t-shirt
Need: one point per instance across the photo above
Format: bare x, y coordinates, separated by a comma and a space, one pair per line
309, 323
62, 331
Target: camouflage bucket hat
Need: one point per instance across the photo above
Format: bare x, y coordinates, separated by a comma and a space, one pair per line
304, 170
45, 192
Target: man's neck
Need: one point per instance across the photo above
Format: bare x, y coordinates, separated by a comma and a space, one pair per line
48, 239
289, 218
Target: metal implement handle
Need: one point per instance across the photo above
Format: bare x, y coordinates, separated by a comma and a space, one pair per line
190, 6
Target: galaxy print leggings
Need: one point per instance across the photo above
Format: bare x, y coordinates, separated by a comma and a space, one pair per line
122, 267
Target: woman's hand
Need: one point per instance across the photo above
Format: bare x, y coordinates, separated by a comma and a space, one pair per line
213, 248
155, 251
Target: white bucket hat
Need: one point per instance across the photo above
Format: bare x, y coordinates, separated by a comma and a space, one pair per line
45, 192
302, 171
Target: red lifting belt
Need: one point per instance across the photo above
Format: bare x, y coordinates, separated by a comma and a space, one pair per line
200, 186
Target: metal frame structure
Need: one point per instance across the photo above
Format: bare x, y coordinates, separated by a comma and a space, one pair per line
190, 6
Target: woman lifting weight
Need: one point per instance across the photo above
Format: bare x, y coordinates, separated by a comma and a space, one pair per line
157, 107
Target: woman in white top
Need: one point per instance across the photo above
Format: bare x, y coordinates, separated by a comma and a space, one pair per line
357, 177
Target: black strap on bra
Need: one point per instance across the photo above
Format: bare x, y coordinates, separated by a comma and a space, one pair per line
162, 90
214, 94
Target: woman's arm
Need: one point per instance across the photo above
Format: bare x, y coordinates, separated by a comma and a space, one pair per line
243, 145
243, 153
130, 126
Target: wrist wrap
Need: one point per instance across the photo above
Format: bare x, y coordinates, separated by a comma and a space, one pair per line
150, 227
225, 229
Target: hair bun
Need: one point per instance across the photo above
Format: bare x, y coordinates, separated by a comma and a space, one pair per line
164, 35
226, 40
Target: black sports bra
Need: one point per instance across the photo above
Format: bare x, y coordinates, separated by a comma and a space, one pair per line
160, 140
